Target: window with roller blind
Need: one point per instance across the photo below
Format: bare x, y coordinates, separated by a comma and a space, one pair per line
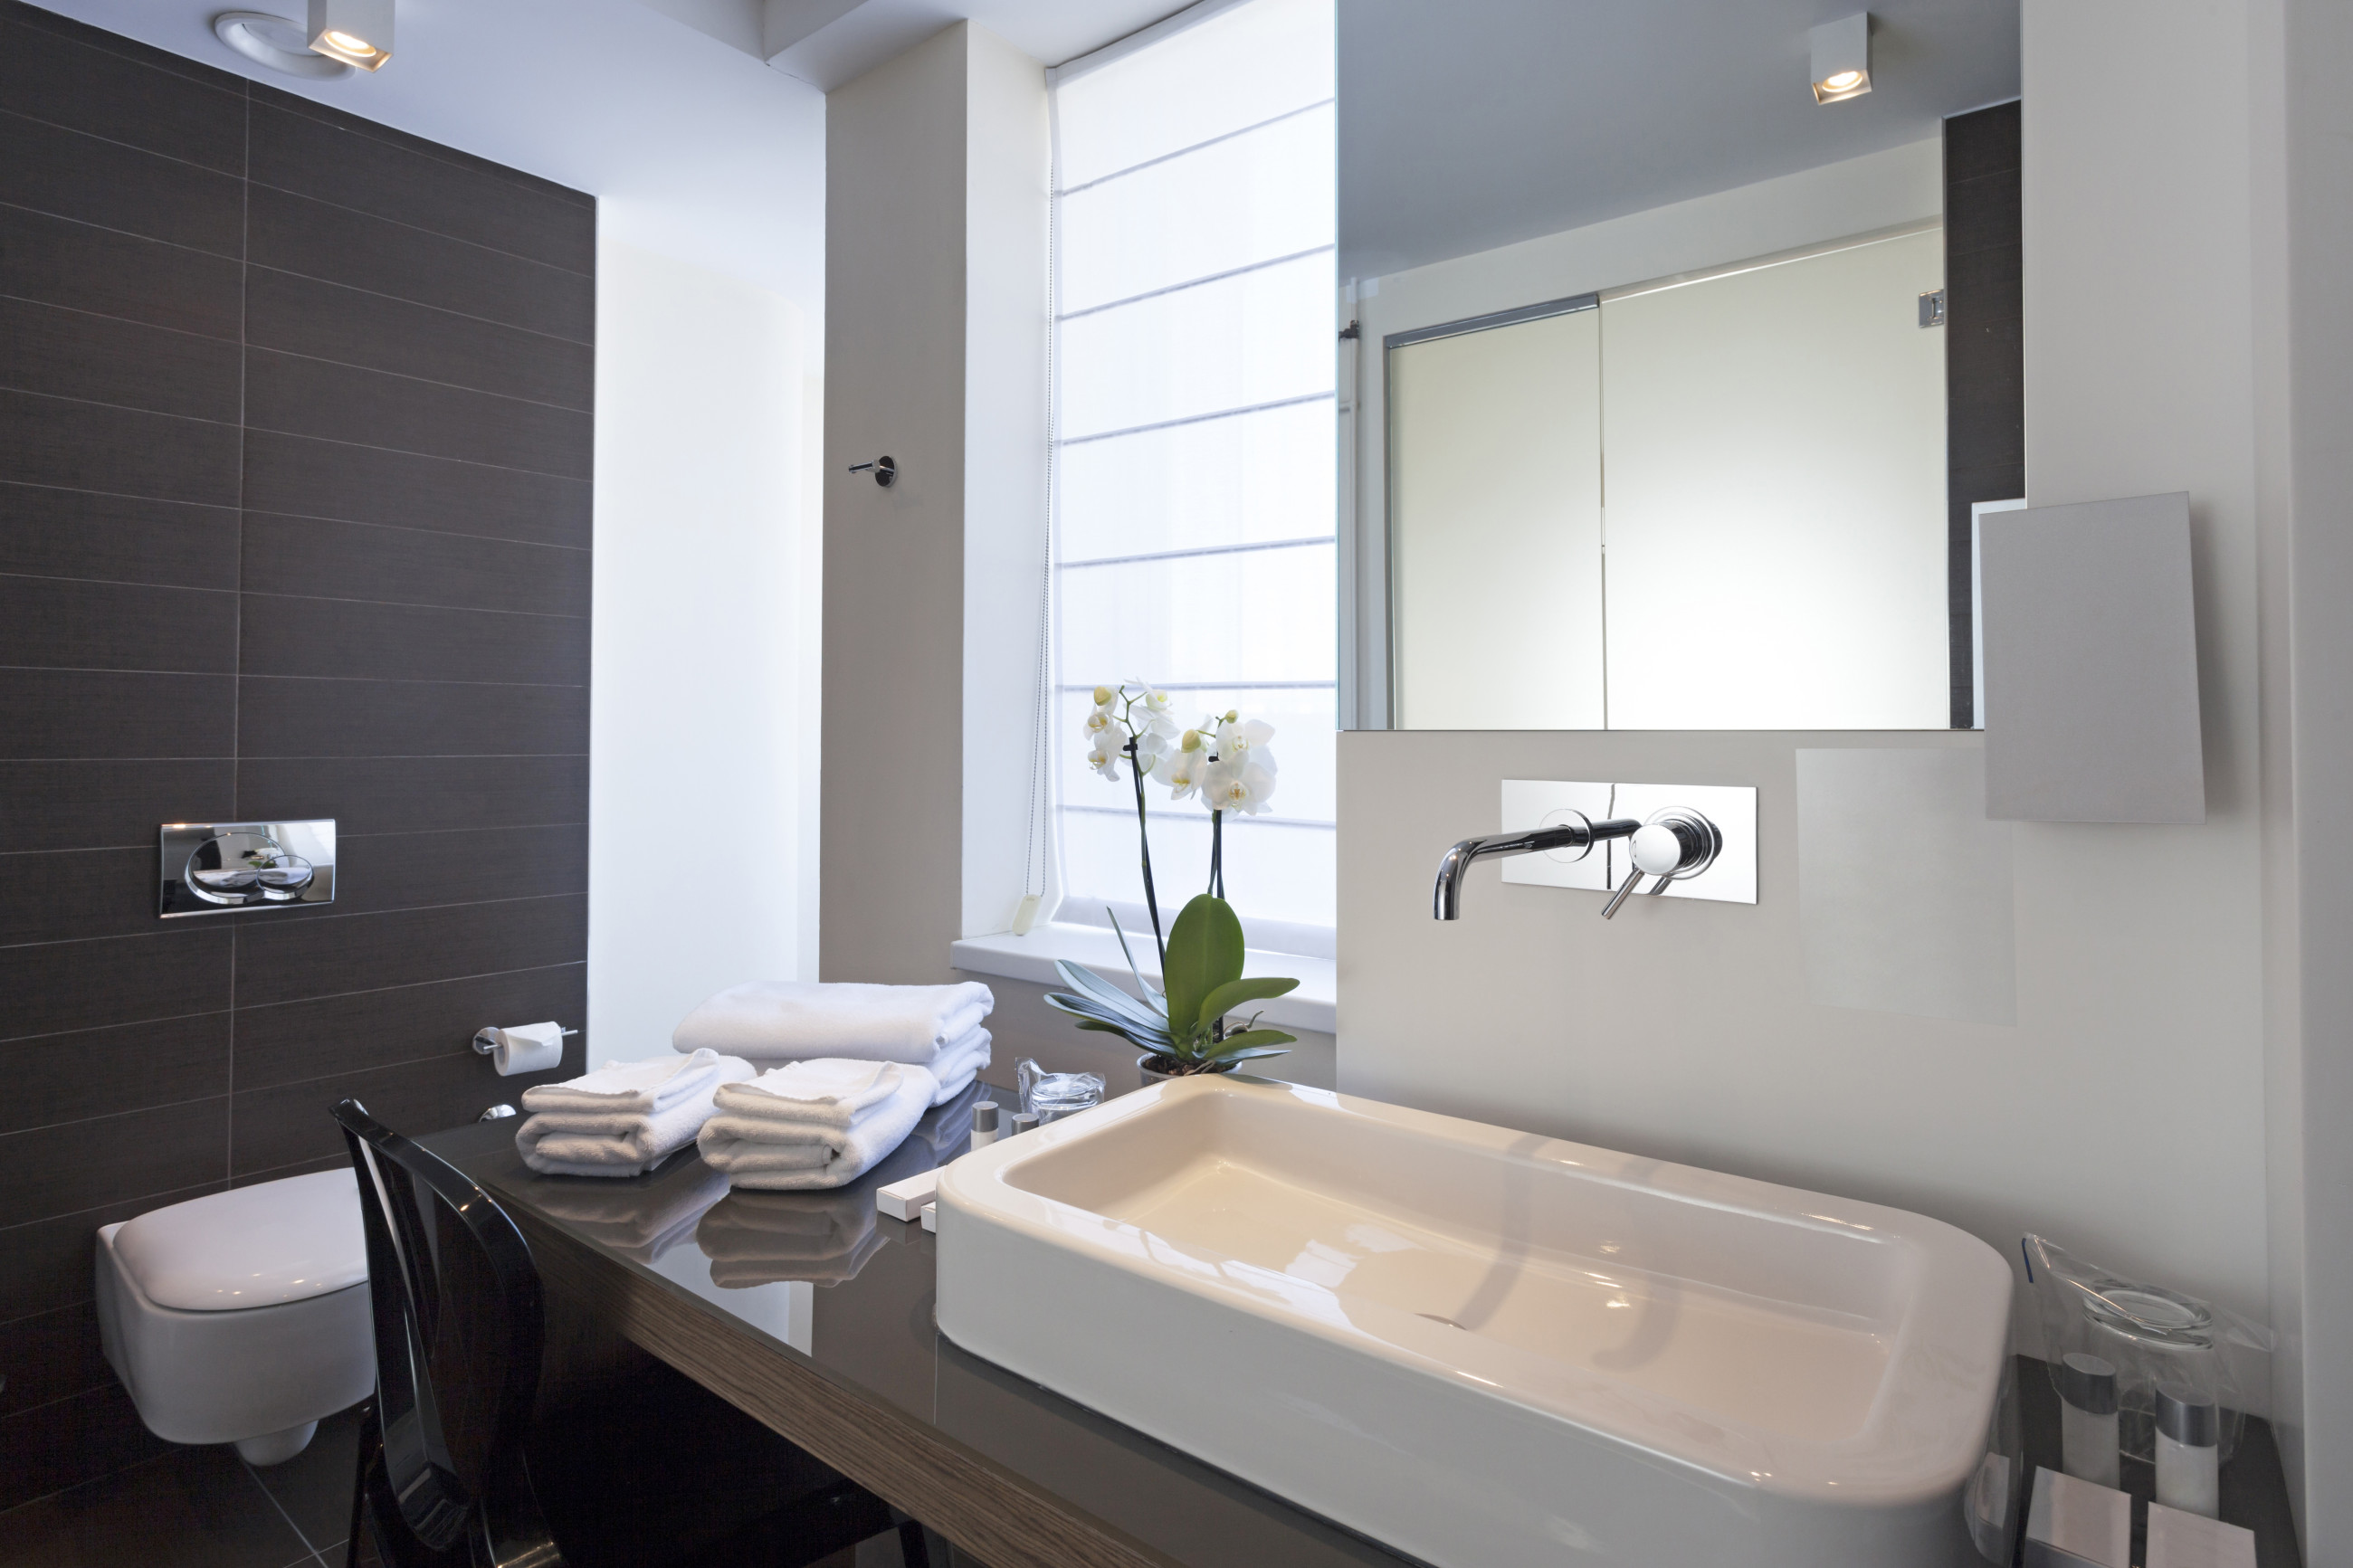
1193, 379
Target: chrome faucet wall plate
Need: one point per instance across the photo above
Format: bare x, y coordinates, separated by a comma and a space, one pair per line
1730, 878
224, 867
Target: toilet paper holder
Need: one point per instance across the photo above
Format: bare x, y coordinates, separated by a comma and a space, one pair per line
487, 1042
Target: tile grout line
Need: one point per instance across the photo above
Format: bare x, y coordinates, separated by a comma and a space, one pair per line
236, 623
294, 1002
280, 593
255, 1477
233, 675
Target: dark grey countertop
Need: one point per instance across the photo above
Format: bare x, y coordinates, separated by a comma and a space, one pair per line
823, 1280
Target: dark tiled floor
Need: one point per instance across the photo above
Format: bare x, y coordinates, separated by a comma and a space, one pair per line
192, 1508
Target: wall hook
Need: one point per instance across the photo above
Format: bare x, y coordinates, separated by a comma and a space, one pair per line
885, 471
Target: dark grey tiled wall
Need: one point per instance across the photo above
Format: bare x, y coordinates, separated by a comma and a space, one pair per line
1985, 350
295, 429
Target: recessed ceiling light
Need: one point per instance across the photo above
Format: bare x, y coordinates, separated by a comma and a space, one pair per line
1842, 51
358, 32
276, 42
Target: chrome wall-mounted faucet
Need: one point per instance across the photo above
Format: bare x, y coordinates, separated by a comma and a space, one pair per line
1580, 834
1705, 853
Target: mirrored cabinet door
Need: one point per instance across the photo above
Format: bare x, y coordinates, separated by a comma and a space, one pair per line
1670, 409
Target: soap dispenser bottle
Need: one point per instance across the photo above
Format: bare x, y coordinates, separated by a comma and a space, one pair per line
2087, 1418
2188, 1437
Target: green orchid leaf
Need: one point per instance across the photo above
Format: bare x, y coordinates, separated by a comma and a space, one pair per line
1253, 1051
1248, 1038
1092, 1016
1141, 982
1147, 1045
1205, 952
1233, 994
1087, 1008
1079, 977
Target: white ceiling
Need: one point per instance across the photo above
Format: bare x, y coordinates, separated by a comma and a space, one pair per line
828, 42
1473, 124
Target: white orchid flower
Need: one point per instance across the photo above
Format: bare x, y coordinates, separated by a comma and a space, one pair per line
1182, 768
1244, 788
1242, 742
1103, 722
1104, 753
1151, 745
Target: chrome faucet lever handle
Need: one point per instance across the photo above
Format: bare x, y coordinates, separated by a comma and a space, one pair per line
1674, 844
1625, 889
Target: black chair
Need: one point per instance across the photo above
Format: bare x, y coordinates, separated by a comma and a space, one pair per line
449, 1451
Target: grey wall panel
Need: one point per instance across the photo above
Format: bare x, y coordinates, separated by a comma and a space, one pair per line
2091, 664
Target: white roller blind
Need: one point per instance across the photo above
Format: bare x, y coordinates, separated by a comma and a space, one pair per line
1193, 361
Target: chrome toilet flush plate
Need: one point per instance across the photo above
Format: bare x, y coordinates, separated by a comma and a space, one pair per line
224, 867
1543, 802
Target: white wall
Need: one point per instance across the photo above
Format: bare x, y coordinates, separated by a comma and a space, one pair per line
2124, 1114
703, 630
1007, 176
894, 733
2309, 324
1858, 195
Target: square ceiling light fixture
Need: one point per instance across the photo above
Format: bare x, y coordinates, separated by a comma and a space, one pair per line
1842, 57
358, 32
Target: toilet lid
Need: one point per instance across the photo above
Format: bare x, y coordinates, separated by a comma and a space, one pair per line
251, 1247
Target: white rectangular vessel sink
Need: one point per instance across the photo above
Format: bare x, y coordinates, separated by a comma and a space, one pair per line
1485, 1347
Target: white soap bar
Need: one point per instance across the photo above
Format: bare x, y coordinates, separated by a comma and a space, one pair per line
932, 1223
2179, 1539
901, 1199
2075, 1524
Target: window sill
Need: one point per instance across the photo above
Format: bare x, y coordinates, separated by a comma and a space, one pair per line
1312, 1006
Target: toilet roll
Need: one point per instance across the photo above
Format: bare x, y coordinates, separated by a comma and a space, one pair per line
532, 1047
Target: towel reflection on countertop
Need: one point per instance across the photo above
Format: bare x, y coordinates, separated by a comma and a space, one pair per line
755, 1237
758, 1239
644, 1217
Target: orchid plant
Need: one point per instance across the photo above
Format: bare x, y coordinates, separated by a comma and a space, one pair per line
1223, 761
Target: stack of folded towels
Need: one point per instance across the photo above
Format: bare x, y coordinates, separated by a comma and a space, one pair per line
624, 1118
771, 1022
814, 1123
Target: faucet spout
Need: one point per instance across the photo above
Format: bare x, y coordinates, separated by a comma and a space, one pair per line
1446, 899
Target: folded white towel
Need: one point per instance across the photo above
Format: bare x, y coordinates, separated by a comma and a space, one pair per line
579, 1142
638, 1088
764, 1151
827, 1092
958, 1063
786, 1020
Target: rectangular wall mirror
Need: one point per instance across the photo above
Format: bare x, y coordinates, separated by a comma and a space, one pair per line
1668, 392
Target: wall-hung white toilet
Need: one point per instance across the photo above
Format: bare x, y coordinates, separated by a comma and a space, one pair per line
242, 1316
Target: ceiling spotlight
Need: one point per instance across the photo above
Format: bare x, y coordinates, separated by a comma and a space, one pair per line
276, 42
1841, 57
358, 32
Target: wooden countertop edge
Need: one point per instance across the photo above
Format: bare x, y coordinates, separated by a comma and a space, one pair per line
1005, 1520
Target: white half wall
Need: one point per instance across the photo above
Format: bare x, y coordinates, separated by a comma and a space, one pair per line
705, 631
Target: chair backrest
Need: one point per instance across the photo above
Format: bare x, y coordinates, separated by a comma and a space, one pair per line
458, 1335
